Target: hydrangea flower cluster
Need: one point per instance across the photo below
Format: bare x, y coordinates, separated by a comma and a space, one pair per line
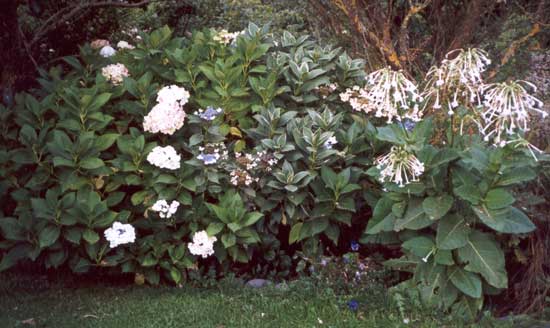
164, 157
209, 114
211, 153
120, 234
330, 142
107, 52
326, 90
99, 43
167, 116
388, 93
507, 107
457, 81
239, 177
164, 209
399, 166
202, 244
248, 164
124, 45
224, 37
115, 73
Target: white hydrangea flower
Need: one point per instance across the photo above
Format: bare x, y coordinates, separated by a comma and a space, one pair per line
120, 234
399, 166
124, 45
507, 109
165, 211
330, 142
173, 94
388, 93
202, 244
165, 118
115, 73
107, 51
164, 157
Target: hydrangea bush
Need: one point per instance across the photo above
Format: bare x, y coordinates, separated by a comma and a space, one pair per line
220, 150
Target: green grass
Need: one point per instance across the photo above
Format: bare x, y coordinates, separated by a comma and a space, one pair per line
302, 304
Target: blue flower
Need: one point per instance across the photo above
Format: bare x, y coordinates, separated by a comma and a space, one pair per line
353, 305
209, 114
408, 124
208, 159
354, 246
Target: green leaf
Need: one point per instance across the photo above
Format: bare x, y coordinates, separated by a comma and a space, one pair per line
419, 246
175, 274
505, 220
295, 233
469, 193
138, 197
467, 282
91, 163
517, 175
452, 232
415, 218
444, 257
498, 198
48, 236
103, 142
484, 256
437, 207
251, 218
90, 236
228, 240
214, 228
99, 101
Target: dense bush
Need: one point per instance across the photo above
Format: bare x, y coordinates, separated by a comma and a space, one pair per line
238, 144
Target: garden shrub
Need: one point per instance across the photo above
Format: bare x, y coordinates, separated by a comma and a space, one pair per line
180, 156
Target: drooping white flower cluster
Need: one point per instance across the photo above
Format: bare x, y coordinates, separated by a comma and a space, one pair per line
507, 109
119, 234
164, 209
164, 158
168, 115
124, 45
224, 37
115, 73
211, 153
202, 244
388, 93
399, 166
457, 81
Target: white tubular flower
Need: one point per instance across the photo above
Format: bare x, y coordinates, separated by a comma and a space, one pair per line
202, 244
120, 234
507, 109
165, 210
165, 118
521, 142
173, 95
124, 45
107, 51
457, 81
115, 73
399, 166
388, 93
164, 158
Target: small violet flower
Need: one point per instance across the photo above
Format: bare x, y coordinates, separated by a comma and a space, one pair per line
353, 305
209, 114
354, 246
208, 159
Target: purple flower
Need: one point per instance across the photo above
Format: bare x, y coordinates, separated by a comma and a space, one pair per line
209, 114
408, 124
353, 305
208, 159
354, 246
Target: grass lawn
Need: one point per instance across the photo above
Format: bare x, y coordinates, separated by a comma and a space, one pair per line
31, 300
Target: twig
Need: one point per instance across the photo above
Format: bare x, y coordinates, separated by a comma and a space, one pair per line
26, 45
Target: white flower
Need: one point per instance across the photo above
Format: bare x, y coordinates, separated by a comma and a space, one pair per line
224, 37
399, 166
202, 244
164, 157
99, 43
165, 118
330, 142
120, 234
507, 109
165, 210
388, 93
107, 51
115, 73
124, 45
173, 94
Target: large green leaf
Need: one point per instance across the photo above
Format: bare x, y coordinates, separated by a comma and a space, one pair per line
48, 235
517, 175
419, 246
498, 198
452, 232
467, 282
437, 207
483, 255
505, 220
415, 218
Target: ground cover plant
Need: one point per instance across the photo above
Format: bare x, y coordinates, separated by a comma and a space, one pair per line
178, 158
